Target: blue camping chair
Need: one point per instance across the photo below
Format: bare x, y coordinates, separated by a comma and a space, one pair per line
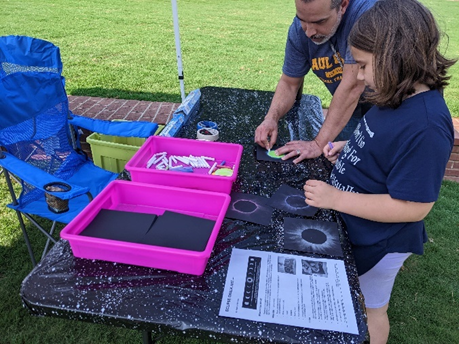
28, 54
37, 136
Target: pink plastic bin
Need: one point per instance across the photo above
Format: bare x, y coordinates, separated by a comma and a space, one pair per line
200, 179
150, 199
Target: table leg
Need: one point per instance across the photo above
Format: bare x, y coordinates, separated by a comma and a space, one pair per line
146, 337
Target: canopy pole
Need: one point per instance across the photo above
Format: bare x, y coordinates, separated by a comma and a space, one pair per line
178, 49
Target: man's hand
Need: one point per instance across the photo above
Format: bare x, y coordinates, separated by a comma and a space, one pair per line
267, 129
301, 149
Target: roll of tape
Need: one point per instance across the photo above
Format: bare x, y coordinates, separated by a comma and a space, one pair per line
207, 134
207, 124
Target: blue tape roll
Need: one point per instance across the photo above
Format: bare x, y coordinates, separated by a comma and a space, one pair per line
207, 124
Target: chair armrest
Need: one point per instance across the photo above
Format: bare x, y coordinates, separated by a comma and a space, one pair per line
124, 129
38, 178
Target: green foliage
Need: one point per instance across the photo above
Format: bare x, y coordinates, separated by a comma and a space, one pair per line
125, 49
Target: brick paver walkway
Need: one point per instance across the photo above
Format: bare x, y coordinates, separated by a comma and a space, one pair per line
456, 124
112, 108
133, 110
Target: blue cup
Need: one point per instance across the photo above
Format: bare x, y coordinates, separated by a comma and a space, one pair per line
207, 124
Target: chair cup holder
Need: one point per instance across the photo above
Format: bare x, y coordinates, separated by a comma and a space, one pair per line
56, 204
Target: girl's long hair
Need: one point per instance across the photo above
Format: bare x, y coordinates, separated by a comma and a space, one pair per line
403, 37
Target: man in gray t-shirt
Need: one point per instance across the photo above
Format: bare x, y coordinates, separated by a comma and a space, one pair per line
317, 41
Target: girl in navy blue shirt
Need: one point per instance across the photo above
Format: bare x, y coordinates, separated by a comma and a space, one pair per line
387, 176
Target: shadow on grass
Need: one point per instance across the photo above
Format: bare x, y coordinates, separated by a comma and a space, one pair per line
125, 94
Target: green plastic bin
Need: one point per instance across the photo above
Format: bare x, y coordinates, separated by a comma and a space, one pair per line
113, 152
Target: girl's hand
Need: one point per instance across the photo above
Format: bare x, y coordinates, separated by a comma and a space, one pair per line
332, 150
320, 194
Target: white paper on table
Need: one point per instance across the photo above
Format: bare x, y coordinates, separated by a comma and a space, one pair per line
289, 290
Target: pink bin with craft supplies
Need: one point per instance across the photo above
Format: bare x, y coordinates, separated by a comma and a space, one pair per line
174, 172
137, 199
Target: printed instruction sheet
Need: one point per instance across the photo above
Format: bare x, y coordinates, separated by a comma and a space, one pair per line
288, 289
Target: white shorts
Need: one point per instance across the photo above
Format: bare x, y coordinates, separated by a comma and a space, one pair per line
376, 284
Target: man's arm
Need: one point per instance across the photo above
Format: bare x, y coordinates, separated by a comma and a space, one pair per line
283, 100
342, 106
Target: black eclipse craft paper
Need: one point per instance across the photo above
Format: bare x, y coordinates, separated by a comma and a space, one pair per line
292, 201
312, 236
250, 208
263, 155
120, 225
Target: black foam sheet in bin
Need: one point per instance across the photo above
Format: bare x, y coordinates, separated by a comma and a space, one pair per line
180, 231
120, 225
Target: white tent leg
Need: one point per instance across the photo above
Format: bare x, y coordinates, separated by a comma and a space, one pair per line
178, 49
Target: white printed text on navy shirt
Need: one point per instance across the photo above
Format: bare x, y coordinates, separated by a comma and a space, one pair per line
350, 155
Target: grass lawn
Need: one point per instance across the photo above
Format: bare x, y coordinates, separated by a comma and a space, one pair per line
125, 49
